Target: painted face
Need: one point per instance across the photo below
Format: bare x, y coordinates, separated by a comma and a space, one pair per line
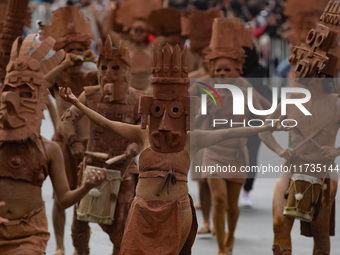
167, 126
113, 76
139, 31
225, 68
75, 48
20, 111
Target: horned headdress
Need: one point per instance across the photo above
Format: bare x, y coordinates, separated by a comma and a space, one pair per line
24, 92
109, 53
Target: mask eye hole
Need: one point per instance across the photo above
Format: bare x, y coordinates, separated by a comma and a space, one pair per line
218, 70
176, 109
70, 51
104, 68
319, 40
310, 37
157, 109
116, 68
25, 94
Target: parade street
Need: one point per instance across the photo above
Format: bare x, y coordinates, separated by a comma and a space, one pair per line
254, 234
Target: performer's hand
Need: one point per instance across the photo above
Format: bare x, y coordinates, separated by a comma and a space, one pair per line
90, 56
69, 60
95, 178
3, 220
287, 153
78, 150
328, 152
132, 150
67, 95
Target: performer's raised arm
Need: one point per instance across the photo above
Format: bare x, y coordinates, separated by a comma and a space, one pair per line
127, 131
216, 136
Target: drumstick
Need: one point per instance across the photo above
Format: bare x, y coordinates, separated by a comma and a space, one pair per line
115, 159
297, 147
311, 139
315, 143
97, 154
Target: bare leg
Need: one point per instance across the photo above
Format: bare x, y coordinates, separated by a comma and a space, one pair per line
205, 205
218, 191
233, 211
58, 217
80, 235
282, 225
320, 226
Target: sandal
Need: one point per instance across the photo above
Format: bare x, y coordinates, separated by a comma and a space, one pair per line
204, 230
59, 252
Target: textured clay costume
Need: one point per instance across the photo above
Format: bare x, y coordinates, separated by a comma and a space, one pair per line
303, 16
27, 158
162, 200
114, 99
197, 26
73, 33
132, 16
226, 56
14, 14
306, 194
162, 218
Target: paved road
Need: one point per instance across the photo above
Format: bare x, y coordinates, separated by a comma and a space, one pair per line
254, 230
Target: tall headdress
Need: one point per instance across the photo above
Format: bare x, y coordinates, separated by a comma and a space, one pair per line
115, 78
130, 10
24, 92
312, 57
169, 107
170, 79
165, 21
197, 25
15, 15
68, 25
228, 37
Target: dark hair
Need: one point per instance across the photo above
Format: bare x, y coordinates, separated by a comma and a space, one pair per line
328, 83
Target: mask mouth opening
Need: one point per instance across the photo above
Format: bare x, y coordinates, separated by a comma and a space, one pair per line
165, 139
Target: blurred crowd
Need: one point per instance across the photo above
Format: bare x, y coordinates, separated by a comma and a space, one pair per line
265, 16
